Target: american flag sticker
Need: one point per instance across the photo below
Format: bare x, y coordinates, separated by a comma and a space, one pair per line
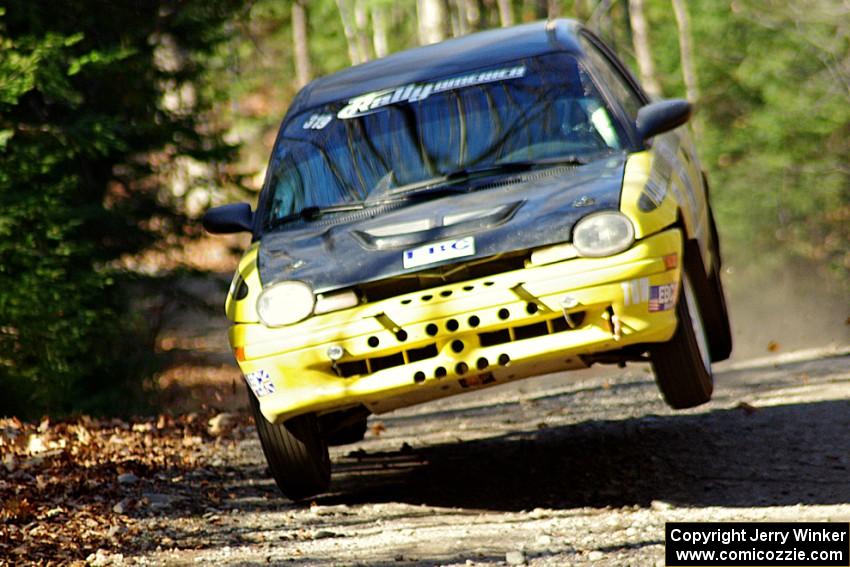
260, 383
662, 297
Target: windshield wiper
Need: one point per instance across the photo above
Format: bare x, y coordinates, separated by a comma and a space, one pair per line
445, 183
311, 214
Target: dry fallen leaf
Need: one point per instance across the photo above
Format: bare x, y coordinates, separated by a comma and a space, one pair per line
748, 408
378, 428
63, 475
773, 346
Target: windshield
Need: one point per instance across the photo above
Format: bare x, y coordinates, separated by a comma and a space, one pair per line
354, 151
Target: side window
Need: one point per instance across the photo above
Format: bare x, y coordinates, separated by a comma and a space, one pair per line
614, 80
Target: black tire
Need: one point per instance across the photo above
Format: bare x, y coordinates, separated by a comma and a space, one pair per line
716, 318
711, 299
682, 370
296, 453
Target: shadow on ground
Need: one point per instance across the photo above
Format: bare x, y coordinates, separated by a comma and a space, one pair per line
780, 455
775, 456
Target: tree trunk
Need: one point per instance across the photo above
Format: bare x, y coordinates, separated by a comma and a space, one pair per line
581, 11
643, 53
599, 19
472, 13
506, 13
303, 69
361, 20
459, 23
685, 52
350, 33
553, 9
379, 31
433, 20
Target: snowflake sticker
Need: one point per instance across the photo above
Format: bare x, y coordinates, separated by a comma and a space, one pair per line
260, 383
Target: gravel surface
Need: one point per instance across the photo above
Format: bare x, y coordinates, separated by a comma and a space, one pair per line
568, 469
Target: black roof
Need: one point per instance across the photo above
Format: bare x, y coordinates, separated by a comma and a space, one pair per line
441, 59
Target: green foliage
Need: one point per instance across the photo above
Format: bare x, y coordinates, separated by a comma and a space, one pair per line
775, 122
85, 118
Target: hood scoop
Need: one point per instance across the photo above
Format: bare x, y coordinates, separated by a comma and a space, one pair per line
430, 229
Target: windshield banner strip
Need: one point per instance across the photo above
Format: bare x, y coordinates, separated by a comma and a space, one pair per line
415, 92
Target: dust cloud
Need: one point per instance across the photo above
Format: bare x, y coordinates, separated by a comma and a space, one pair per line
792, 310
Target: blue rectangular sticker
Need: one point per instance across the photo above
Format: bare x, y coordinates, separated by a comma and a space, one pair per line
662, 297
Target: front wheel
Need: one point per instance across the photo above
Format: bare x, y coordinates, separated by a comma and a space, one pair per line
296, 452
682, 365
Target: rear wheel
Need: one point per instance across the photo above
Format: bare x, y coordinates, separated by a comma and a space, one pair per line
296, 453
682, 365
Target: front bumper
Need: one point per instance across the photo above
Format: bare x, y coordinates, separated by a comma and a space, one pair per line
446, 340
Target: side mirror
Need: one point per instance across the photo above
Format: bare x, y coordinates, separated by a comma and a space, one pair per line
662, 116
228, 219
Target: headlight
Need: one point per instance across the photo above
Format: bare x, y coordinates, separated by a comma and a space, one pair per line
285, 303
603, 234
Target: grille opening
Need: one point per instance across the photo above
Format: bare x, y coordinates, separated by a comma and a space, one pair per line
532, 308
427, 297
373, 342
521, 332
560, 324
431, 329
503, 314
504, 359
494, 337
452, 325
352, 368
474, 321
440, 372
419, 377
457, 346
482, 363
461, 368
446, 293
417, 354
401, 336
384, 362
531, 331
374, 364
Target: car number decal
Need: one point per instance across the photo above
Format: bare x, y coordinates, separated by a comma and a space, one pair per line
439, 251
662, 297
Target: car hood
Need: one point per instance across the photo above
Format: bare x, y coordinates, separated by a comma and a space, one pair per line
503, 215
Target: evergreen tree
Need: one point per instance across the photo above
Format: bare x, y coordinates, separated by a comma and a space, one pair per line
94, 100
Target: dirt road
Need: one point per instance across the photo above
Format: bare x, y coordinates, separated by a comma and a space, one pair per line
552, 471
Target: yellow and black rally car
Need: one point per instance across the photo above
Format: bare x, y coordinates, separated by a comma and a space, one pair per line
455, 216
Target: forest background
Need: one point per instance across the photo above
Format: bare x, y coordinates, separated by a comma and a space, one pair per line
121, 122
